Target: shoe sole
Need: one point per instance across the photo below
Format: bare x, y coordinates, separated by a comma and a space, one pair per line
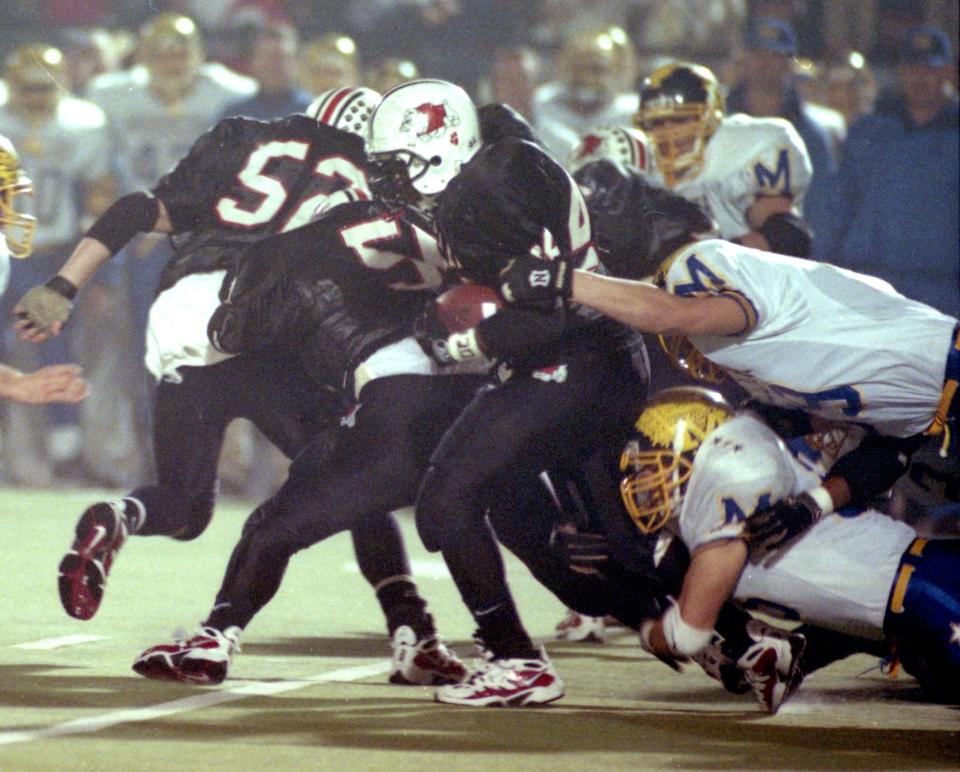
522, 700
82, 571
158, 668
436, 679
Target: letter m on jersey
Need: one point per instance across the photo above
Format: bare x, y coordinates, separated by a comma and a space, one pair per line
774, 182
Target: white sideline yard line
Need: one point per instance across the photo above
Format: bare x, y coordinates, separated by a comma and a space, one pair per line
196, 702
56, 643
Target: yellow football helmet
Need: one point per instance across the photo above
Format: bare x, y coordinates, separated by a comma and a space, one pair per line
681, 106
171, 48
329, 62
35, 77
658, 460
589, 63
678, 348
17, 227
391, 72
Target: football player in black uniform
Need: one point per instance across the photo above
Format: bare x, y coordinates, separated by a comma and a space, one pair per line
568, 380
345, 290
241, 181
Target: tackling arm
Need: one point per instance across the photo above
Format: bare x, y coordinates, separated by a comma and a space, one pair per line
686, 628
652, 310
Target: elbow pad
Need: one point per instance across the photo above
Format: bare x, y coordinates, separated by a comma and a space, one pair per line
787, 234
126, 217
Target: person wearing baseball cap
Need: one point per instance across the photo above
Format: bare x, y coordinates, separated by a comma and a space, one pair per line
895, 211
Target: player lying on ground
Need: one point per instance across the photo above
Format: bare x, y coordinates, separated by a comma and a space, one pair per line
699, 470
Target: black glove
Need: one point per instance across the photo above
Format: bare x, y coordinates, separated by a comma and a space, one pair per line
432, 335
535, 283
581, 550
770, 528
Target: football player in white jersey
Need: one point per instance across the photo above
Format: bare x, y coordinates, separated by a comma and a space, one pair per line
64, 147
793, 333
750, 174
699, 471
56, 383
158, 108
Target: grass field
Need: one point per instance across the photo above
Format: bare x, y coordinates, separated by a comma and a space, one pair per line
309, 691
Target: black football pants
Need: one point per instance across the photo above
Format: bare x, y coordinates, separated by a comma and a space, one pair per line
374, 467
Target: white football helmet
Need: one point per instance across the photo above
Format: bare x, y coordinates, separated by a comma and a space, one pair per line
348, 108
625, 144
421, 134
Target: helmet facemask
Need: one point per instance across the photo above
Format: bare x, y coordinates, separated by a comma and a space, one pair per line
658, 461
680, 109
425, 130
18, 228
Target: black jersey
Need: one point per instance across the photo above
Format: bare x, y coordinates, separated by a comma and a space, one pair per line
245, 179
513, 199
342, 286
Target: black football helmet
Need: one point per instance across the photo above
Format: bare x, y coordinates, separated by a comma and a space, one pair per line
499, 121
511, 199
636, 225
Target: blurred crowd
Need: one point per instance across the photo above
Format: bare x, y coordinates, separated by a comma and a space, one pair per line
101, 98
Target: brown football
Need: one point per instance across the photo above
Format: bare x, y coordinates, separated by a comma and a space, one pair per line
466, 305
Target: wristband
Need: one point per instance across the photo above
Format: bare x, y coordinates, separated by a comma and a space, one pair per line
683, 639
63, 287
463, 346
821, 497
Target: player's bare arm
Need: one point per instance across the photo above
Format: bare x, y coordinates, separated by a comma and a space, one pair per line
43, 310
653, 310
56, 383
710, 580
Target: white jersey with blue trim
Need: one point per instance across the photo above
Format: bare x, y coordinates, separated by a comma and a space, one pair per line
152, 136
838, 344
837, 575
748, 157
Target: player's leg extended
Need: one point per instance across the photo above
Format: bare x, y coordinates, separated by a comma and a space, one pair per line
374, 468
188, 435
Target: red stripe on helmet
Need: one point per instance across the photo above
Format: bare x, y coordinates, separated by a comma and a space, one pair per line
332, 105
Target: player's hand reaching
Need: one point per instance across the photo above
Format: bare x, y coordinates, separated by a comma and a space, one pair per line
56, 383
770, 528
532, 282
43, 310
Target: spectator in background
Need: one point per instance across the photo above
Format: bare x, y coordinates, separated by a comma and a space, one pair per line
390, 72
848, 86
767, 88
894, 205
329, 62
90, 52
513, 79
273, 64
809, 77
64, 148
586, 93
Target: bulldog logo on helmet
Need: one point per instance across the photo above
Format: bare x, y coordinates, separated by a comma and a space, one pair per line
430, 121
588, 146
